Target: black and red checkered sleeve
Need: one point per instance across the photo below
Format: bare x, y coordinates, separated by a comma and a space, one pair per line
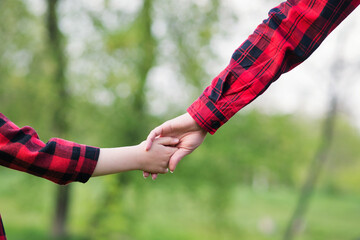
58, 160
293, 31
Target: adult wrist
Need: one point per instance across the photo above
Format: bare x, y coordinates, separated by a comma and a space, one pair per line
206, 114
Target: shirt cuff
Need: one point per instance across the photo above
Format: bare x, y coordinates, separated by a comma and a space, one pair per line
72, 162
206, 114
86, 163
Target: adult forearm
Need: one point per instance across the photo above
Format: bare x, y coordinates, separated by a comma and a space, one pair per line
293, 31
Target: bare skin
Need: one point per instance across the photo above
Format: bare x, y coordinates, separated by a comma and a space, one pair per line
184, 128
156, 160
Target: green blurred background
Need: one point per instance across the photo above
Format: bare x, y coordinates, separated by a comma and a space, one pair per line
104, 73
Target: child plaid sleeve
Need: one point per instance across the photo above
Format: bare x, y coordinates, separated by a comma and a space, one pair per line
2, 231
58, 160
293, 31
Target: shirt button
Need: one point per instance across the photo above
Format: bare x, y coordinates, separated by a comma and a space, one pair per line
215, 124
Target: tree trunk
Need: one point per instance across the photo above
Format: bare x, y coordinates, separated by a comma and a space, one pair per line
60, 124
137, 121
147, 45
296, 222
59, 230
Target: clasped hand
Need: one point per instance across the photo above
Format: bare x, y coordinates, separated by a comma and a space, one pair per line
186, 130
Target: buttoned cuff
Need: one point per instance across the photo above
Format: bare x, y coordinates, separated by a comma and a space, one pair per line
206, 114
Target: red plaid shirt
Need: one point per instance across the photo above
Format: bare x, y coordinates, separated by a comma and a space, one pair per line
293, 31
2, 231
58, 160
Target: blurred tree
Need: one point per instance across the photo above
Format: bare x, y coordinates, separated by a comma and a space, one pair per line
129, 54
139, 43
22, 67
322, 154
60, 109
129, 66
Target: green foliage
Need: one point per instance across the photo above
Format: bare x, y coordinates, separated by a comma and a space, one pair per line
160, 211
24, 68
244, 175
264, 151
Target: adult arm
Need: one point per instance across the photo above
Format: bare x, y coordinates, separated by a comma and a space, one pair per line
58, 160
293, 31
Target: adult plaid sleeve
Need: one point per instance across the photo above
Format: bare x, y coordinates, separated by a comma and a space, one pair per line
293, 31
58, 160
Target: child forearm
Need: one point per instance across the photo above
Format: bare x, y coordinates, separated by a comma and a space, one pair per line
115, 160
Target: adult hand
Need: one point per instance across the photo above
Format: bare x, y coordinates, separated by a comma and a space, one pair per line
184, 128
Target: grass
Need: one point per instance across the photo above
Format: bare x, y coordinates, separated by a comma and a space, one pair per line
161, 211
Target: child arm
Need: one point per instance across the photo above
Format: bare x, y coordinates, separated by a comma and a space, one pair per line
58, 160
115, 160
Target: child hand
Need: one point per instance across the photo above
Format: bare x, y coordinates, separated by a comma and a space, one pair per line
156, 160
122, 159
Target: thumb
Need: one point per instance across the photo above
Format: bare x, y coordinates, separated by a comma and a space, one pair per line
152, 136
167, 141
176, 157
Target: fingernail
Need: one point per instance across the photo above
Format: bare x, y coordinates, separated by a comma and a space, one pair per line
172, 171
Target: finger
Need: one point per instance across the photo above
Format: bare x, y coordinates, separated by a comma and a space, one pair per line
151, 137
176, 157
154, 176
164, 171
167, 141
146, 174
